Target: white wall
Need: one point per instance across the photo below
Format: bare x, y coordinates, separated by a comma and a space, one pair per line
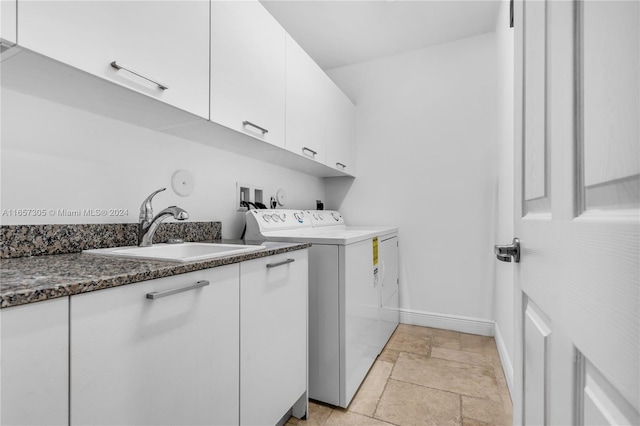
427, 162
504, 283
56, 157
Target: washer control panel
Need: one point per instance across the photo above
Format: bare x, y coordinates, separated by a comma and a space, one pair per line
324, 217
270, 219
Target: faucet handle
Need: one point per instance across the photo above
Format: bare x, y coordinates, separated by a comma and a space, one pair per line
146, 210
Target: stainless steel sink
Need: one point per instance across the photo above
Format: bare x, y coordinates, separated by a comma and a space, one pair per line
185, 252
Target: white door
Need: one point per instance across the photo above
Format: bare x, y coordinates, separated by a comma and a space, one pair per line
576, 213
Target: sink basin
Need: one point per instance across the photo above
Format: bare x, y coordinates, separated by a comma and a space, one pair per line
185, 252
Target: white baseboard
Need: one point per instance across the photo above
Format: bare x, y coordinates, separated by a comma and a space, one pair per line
479, 326
507, 366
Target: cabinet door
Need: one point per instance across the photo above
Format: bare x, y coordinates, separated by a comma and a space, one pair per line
8, 28
273, 336
170, 360
163, 41
248, 70
35, 363
340, 138
388, 264
307, 104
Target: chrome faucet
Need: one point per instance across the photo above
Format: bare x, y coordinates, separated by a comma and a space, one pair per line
147, 223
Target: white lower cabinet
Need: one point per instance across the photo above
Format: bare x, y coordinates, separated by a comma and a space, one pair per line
172, 359
221, 346
273, 336
35, 360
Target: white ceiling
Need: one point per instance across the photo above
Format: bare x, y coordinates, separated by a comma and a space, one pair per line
338, 33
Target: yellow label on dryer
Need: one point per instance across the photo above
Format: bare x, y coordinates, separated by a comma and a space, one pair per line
375, 251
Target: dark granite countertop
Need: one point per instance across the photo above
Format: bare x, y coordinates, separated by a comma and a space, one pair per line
32, 279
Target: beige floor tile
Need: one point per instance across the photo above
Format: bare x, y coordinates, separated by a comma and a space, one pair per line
463, 356
503, 388
452, 376
318, 415
437, 373
416, 330
341, 418
446, 342
509, 417
404, 341
472, 422
482, 344
413, 405
367, 397
483, 410
437, 332
388, 355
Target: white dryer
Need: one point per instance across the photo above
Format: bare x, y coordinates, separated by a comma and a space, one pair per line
353, 293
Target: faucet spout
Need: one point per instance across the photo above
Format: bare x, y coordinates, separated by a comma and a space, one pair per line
146, 210
146, 230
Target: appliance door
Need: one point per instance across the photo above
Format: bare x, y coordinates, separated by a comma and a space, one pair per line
359, 319
389, 302
324, 330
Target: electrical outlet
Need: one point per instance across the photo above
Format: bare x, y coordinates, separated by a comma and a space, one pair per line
257, 196
247, 193
243, 193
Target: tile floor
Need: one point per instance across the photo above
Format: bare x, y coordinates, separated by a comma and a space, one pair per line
426, 376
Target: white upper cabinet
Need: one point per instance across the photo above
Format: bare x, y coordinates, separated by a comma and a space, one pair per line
320, 118
248, 70
340, 131
8, 29
307, 104
157, 48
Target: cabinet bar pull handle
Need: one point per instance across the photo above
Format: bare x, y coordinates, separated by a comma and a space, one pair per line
313, 153
342, 166
159, 294
284, 262
262, 129
115, 65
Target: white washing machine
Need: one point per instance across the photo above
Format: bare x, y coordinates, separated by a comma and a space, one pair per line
353, 293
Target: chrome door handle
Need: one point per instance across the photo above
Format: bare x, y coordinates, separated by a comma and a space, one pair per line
159, 294
506, 252
117, 66
312, 152
284, 262
262, 129
341, 165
